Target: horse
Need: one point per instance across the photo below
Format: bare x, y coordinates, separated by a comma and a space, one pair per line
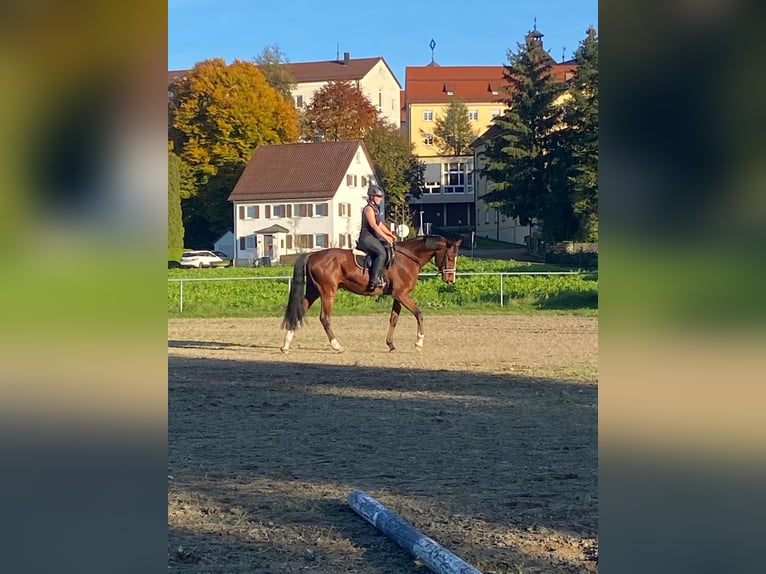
320, 274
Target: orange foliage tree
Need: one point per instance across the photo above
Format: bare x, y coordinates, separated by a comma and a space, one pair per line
340, 111
218, 114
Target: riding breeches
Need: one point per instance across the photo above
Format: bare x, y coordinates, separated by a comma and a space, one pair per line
374, 247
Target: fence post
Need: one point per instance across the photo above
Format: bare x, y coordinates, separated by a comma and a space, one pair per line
181, 303
501, 289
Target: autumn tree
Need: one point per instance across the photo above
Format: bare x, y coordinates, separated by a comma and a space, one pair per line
397, 169
218, 115
452, 131
276, 67
520, 160
340, 111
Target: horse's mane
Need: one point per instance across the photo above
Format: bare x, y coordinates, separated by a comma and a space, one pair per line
428, 241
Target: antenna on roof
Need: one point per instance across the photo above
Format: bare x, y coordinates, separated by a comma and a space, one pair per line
337, 53
432, 44
564, 54
535, 23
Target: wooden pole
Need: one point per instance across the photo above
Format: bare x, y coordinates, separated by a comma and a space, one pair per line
435, 557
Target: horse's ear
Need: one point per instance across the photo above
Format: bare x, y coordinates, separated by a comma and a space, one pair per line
458, 242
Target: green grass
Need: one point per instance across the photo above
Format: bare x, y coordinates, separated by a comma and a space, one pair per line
486, 243
243, 297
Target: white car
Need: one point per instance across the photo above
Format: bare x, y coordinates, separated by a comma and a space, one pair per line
205, 259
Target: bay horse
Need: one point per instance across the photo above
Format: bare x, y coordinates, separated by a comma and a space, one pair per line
320, 274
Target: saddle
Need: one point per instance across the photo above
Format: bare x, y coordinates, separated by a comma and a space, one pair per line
364, 261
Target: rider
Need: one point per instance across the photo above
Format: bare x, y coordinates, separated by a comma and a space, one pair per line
375, 237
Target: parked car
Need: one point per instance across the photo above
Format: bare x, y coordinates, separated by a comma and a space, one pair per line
205, 259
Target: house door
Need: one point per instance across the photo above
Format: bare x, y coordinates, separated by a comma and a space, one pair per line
269, 246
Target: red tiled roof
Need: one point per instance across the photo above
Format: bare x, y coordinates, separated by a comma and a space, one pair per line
335, 70
296, 171
173, 75
425, 84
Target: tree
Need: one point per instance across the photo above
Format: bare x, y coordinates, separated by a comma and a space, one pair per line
218, 115
340, 111
579, 138
397, 169
519, 158
452, 131
175, 224
275, 66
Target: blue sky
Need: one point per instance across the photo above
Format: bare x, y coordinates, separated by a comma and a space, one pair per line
466, 33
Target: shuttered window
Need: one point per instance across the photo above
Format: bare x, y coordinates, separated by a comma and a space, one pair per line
241, 211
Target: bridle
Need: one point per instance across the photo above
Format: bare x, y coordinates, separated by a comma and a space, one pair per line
443, 267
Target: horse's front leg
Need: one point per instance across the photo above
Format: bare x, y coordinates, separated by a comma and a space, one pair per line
412, 307
324, 318
395, 310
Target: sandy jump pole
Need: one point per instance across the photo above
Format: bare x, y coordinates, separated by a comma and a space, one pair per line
435, 557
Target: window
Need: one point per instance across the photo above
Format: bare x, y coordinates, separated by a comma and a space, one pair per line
454, 177
349, 180
344, 240
494, 113
252, 212
321, 209
486, 215
428, 116
304, 209
344, 209
322, 240
473, 115
432, 187
428, 139
282, 210
298, 101
380, 100
289, 241
364, 181
250, 242
304, 241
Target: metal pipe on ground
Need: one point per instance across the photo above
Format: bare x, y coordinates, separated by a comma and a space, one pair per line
430, 553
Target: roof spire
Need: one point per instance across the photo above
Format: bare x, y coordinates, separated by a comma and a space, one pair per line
432, 45
535, 23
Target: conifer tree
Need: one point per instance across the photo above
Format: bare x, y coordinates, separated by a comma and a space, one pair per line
175, 224
452, 131
519, 157
579, 138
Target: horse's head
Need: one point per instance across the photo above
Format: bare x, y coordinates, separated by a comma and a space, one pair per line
446, 260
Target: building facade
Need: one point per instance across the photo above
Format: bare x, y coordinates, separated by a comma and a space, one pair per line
293, 198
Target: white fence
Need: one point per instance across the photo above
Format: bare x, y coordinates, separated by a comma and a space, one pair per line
421, 275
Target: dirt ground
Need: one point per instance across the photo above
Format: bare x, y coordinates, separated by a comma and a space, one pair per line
486, 442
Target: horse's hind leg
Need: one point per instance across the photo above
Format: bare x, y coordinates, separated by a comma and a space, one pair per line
308, 300
395, 310
324, 318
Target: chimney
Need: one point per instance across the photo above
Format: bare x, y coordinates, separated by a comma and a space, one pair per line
346, 58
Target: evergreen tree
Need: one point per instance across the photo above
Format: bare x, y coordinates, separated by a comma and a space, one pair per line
519, 156
175, 224
397, 169
452, 131
579, 139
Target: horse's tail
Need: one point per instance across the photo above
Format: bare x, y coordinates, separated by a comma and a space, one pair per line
295, 312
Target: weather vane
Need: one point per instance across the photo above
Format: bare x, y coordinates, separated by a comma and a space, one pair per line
432, 44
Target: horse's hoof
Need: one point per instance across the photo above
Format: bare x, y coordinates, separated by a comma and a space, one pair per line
419, 348
340, 350
391, 348
284, 351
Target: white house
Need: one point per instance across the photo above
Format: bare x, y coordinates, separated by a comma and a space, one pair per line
300, 197
372, 76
